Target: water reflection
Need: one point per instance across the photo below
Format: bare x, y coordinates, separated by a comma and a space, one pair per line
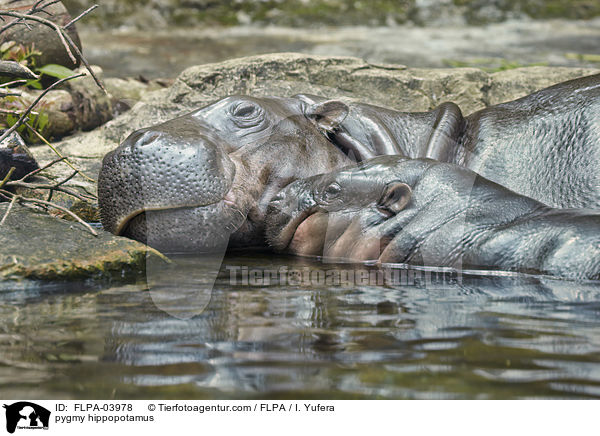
477, 337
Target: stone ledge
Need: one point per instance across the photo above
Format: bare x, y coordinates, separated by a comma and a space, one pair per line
36, 246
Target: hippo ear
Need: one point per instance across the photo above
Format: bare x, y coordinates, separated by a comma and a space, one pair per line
395, 198
327, 115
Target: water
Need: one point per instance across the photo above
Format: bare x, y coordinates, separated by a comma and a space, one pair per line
513, 43
448, 337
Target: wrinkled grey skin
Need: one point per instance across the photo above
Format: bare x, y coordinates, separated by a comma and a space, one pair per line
204, 180
14, 154
190, 183
545, 145
422, 212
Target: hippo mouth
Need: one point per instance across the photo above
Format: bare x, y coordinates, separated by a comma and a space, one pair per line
125, 222
304, 233
184, 228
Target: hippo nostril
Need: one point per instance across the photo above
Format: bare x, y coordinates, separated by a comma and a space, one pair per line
278, 198
148, 138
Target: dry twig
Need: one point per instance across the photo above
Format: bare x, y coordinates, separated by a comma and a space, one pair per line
9, 195
79, 17
70, 47
7, 177
59, 154
10, 206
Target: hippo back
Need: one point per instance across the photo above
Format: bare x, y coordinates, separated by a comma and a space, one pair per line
545, 145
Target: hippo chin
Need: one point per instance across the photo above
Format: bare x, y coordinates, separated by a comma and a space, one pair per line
391, 209
204, 180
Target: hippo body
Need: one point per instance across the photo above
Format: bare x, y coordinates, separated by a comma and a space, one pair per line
545, 145
391, 209
204, 180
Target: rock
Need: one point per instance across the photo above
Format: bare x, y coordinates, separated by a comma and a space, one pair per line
36, 246
15, 154
511, 84
394, 86
79, 105
127, 92
91, 106
43, 38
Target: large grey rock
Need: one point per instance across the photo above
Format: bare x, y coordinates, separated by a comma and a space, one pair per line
36, 246
394, 86
41, 37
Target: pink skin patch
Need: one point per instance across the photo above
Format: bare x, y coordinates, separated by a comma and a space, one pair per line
309, 236
316, 236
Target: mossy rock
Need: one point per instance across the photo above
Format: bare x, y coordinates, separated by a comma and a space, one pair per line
36, 246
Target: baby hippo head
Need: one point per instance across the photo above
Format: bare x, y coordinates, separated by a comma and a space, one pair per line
337, 215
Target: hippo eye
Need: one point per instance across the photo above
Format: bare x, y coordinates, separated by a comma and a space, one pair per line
244, 110
332, 191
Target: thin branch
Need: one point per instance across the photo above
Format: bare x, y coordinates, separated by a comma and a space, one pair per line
15, 112
65, 39
32, 10
10, 206
58, 153
14, 82
86, 63
7, 177
39, 170
59, 184
23, 117
47, 5
55, 187
60, 32
50, 204
79, 17
7, 93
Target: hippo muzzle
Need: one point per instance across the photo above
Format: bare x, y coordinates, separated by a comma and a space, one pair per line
160, 182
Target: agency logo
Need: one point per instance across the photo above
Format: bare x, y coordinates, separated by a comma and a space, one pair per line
26, 416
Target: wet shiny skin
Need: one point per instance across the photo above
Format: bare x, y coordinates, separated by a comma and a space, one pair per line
392, 209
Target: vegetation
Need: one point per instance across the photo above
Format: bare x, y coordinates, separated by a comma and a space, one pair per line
320, 12
14, 105
476, 11
490, 65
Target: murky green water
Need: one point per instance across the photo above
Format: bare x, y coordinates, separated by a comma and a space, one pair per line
444, 336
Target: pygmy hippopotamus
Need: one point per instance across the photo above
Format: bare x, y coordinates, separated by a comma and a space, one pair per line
194, 182
391, 209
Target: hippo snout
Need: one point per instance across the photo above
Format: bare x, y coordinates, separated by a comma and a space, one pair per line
286, 211
178, 175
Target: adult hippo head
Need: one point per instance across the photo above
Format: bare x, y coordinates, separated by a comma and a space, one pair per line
198, 181
392, 209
